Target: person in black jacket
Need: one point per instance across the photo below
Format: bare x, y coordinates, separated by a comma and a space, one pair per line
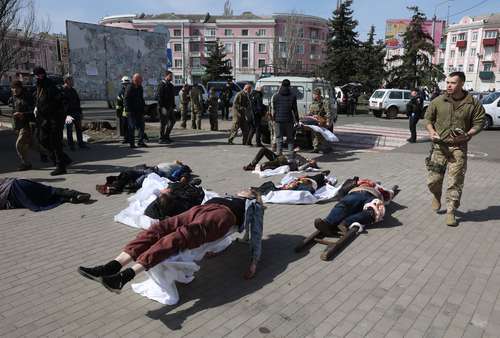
285, 115
166, 105
134, 107
259, 110
73, 111
414, 110
50, 119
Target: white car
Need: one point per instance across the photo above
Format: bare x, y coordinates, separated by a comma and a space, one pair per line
491, 104
391, 102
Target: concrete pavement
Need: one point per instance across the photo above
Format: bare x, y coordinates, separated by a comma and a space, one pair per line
410, 276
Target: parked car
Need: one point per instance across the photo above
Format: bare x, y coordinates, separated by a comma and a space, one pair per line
491, 104
343, 93
391, 102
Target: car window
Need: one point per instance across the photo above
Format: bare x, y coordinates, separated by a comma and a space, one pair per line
298, 91
268, 91
378, 94
407, 95
490, 98
396, 95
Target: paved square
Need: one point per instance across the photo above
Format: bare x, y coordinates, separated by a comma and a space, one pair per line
410, 276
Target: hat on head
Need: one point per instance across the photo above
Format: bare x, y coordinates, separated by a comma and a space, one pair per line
125, 79
39, 70
285, 83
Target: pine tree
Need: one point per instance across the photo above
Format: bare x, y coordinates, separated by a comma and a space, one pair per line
342, 46
216, 67
370, 63
414, 67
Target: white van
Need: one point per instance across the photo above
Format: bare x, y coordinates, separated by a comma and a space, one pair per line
391, 102
302, 87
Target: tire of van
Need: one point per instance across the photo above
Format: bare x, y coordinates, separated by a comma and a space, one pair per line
392, 112
488, 122
377, 113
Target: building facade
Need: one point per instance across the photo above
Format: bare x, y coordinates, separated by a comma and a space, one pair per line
47, 50
472, 47
394, 30
251, 42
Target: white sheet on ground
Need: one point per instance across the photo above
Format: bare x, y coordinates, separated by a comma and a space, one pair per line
324, 193
160, 286
133, 215
327, 134
284, 169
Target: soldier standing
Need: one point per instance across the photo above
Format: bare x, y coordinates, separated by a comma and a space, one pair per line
452, 120
184, 103
196, 107
213, 109
121, 114
319, 107
225, 98
22, 102
241, 109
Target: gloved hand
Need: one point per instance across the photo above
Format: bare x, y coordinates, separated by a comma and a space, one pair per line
69, 119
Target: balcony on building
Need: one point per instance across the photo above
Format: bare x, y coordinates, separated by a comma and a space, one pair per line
487, 75
491, 42
461, 44
442, 45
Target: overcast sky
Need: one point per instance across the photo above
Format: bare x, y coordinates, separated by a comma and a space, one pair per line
367, 12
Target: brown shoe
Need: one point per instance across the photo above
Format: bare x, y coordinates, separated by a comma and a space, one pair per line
451, 220
436, 203
324, 227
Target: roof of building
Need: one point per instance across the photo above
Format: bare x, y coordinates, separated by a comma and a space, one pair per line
490, 18
201, 17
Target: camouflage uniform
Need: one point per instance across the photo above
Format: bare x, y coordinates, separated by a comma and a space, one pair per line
213, 109
241, 105
184, 103
321, 108
196, 107
448, 120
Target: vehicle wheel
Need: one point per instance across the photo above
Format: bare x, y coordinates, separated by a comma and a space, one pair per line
488, 122
392, 113
377, 113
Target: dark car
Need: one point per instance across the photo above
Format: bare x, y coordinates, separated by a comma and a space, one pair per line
5, 94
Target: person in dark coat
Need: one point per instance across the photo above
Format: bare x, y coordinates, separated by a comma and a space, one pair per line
166, 105
414, 110
285, 115
74, 115
225, 100
18, 193
121, 114
259, 110
134, 107
50, 120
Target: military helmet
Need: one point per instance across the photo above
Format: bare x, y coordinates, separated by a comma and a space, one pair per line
125, 79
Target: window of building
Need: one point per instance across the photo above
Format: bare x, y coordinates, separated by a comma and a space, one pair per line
461, 36
300, 32
210, 32
462, 51
452, 54
177, 32
282, 47
314, 33
299, 64
244, 55
299, 49
450, 68
490, 34
196, 32
229, 62
488, 51
454, 38
262, 48
262, 63
178, 63
470, 69
261, 32
228, 47
396, 95
474, 36
487, 66
460, 68
177, 47
194, 47
244, 32
228, 32
195, 62
177, 79
472, 52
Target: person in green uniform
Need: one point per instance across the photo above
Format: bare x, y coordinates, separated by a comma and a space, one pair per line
213, 109
319, 107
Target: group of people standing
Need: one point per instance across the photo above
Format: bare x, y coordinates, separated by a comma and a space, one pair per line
39, 118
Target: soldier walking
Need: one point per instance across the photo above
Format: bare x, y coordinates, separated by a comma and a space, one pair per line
184, 100
452, 119
241, 108
196, 107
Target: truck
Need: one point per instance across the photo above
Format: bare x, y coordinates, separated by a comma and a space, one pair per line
99, 56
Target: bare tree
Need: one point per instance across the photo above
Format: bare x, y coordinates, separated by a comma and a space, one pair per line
228, 11
287, 42
18, 28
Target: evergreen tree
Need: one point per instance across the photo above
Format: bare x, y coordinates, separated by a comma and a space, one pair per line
370, 63
342, 47
216, 67
414, 67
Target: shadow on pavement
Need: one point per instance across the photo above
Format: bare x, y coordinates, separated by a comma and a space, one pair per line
491, 213
389, 220
220, 280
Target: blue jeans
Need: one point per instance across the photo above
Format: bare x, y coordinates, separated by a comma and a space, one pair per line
350, 209
135, 121
284, 129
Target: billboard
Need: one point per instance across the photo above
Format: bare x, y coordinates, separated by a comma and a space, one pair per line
99, 56
394, 30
